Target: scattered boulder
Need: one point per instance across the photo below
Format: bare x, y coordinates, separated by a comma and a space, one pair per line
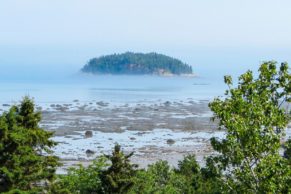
88, 134
170, 141
75, 100
191, 102
101, 103
167, 103
140, 133
61, 108
89, 153
132, 138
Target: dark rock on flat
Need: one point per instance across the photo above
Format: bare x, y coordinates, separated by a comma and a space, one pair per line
101, 103
170, 141
89, 153
88, 134
167, 103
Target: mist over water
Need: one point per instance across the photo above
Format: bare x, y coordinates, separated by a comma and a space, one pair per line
53, 75
113, 89
43, 45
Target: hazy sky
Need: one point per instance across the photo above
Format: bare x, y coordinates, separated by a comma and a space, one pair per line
64, 34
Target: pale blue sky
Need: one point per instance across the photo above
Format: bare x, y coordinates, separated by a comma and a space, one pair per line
37, 34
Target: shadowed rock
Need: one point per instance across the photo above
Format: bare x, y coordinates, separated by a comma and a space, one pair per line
101, 103
88, 134
170, 141
167, 103
89, 153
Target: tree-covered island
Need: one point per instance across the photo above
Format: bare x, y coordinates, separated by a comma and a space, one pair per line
137, 64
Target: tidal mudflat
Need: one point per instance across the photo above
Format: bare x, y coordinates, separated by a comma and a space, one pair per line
161, 130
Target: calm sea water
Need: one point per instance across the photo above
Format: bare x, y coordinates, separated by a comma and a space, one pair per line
114, 89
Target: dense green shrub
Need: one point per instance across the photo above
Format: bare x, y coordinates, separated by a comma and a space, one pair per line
254, 119
81, 179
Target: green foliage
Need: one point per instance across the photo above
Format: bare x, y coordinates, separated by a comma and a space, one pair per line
118, 177
82, 180
156, 179
190, 168
136, 63
160, 178
17, 191
287, 151
254, 120
197, 180
25, 160
161, 172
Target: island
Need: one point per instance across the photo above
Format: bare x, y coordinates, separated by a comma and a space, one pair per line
130, 63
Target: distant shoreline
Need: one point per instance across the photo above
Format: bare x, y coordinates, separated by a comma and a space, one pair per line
153, 74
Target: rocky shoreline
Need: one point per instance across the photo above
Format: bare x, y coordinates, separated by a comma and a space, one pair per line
160, 130
65, 119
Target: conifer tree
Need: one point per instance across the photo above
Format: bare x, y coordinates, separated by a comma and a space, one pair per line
26, 162
118, 178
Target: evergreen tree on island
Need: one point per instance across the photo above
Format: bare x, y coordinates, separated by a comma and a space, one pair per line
137, 64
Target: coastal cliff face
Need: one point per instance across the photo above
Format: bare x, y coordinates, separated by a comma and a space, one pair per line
137, 64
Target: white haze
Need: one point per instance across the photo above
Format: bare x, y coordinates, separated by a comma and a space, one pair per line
51, 38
